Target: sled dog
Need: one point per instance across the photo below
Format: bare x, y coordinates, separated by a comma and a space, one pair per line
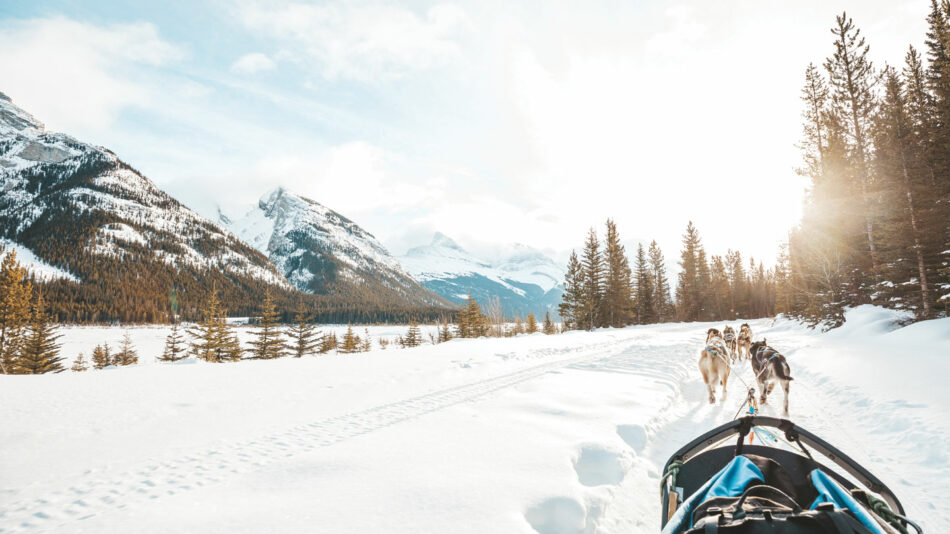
769, 366
729, 336
713, 364
744, 341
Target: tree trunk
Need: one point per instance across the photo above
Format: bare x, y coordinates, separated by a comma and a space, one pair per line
918, 248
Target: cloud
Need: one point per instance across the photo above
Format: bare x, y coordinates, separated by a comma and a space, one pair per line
251, 63
360, 42
77, 77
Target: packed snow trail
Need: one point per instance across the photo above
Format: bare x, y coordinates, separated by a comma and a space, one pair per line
549, 434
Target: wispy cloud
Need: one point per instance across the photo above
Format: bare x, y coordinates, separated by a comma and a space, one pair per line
251, 63
79, 76
359, 42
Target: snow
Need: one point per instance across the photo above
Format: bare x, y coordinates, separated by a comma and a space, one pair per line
536, 433
34, 265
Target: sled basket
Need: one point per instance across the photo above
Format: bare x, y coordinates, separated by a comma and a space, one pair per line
716, 485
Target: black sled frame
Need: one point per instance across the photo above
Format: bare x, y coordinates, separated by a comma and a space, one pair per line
699, 460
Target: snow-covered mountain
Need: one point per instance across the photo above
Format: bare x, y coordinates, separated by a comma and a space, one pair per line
318, 249
521, 278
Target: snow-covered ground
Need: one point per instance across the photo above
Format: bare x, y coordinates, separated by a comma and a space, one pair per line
554, 434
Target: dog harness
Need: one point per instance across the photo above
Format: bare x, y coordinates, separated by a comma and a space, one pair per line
760, 355
729, 336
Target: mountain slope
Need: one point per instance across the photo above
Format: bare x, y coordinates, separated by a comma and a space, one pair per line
131, 247
323, 252
523, 280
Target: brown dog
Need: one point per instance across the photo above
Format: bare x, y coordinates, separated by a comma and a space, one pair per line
769, 366
744, 341
713, 364
729, 336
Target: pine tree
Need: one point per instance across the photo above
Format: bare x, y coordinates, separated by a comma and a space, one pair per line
471, 322
445, 333
367, 343
815, 97
413, 336
645, 292
212, 339
15, 292
127, 354
531, 324
617, 307
688, 291
39, 353
592, 291
719, 289
518, 328
662, 300
896, 165
548, 326
571, 298
328, 342
79, 364
304, 338
852, 80
351, 342
174, 346
269, 342
101, 357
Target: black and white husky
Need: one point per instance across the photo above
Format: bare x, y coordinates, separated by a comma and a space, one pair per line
769, 366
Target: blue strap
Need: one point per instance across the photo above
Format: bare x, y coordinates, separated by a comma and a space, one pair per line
730, 481
830, 491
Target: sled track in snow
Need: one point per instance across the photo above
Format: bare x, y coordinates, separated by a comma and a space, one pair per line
82, 498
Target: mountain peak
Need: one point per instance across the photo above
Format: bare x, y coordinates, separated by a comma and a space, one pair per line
441, 240
13, 118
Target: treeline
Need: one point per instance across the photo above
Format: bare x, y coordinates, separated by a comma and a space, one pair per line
603, 289
876, 147
28, 340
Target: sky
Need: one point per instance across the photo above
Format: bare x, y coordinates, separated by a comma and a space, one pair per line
491, 121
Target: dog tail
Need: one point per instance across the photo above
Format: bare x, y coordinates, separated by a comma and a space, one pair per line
783, 371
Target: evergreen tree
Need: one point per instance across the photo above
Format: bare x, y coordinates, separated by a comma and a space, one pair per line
548, 326
617, 307
351, 342
445, 333
518, 328
720, 289
645, 290
592, 291
174, 346
897, 170
367, 343
573, 290
852, 80
79, 364
15, 293
662, 300
39, 353
269, 342
304, 338
471, 322
688, 290
531, 324
328, 342
413, 336
815, 97
101, 357
212, 340
127, 354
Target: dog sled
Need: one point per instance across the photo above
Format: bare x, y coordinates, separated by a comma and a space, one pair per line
758, 474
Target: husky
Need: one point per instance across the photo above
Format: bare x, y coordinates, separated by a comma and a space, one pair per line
713, 364
744, 341
729, 336
770, 366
